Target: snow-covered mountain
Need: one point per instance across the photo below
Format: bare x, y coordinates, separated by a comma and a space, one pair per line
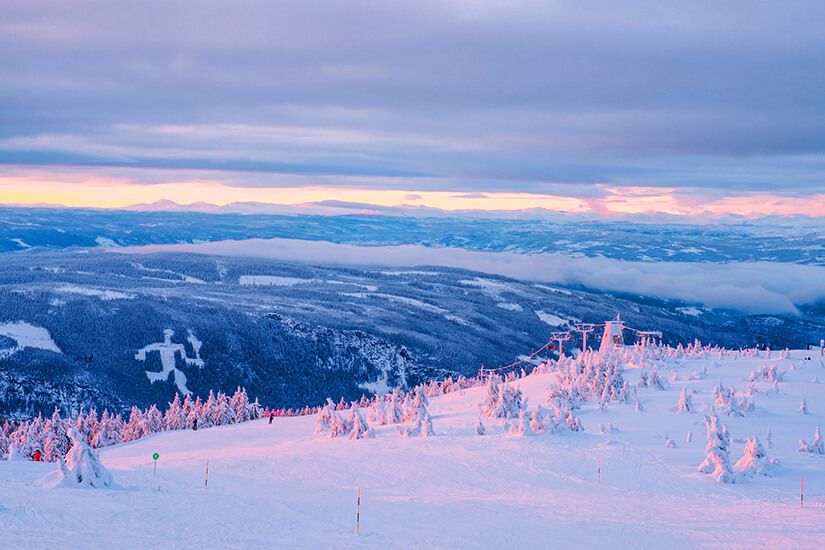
630, 478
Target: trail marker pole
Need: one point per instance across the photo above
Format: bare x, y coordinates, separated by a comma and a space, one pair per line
599, 467
358, 513
155, 457
206, 481
801, 492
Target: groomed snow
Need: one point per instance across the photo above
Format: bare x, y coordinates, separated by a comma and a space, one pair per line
26, 336
278, 486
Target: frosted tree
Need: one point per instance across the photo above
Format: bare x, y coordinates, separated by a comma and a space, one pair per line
324, 418
5, 440
685, 401
136, 428
426, 422
803, 407
717, 461
656, 381
174, 418
501, 400
108, 433
240, 405
769, 438
522, 427
154, 420
360, 428
480, 429
338, 426
82, 466
89, 425
817, 447
755, 461
537, 421
55, 440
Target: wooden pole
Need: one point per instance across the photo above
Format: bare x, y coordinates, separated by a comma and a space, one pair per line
358, 513
206, 481
801, 492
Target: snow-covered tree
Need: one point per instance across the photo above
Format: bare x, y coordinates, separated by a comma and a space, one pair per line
803, 407
537, 421
522, 427
173, 418
360, 428
426, 423
817, 447
324, 418
685, 401
55, 440
480, 429
109, 431
755, 461
717, 461
82, 466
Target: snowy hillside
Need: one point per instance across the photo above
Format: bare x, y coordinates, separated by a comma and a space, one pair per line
278, 485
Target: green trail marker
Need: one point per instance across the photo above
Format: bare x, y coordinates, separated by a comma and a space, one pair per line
156, 456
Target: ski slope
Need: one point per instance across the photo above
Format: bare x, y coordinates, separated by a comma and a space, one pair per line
278, 486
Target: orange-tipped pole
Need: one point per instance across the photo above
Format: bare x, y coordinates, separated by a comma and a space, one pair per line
358, 513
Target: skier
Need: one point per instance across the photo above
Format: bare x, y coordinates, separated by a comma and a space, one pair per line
271, 416
195, 424
36, 456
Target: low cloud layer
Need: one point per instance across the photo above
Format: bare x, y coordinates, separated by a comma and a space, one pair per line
756, 288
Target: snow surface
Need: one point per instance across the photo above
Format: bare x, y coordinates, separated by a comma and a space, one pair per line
26, 336
550, 319
102, 294
278, 486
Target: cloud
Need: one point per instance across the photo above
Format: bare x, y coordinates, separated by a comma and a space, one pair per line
412, 197
496, 95
751, 287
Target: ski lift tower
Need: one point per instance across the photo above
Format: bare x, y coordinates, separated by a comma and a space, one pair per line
613, 334
585, 329
560, 337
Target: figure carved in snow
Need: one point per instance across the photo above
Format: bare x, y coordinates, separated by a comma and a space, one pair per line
168, 350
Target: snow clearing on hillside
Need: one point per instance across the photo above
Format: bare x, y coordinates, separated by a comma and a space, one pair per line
630, 447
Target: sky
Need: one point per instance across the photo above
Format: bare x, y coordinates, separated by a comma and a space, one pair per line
602, 106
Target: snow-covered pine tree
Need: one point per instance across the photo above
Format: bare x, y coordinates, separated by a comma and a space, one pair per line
240, 404
426, 423
685, 401
717, 461
360, 428
480, 429
338, 425
537, 421
522, 427
82, 465
324, 418
803, 407
108, 432
173, 418
817, 447
755, 461
137, 426
55, 440
154, 420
